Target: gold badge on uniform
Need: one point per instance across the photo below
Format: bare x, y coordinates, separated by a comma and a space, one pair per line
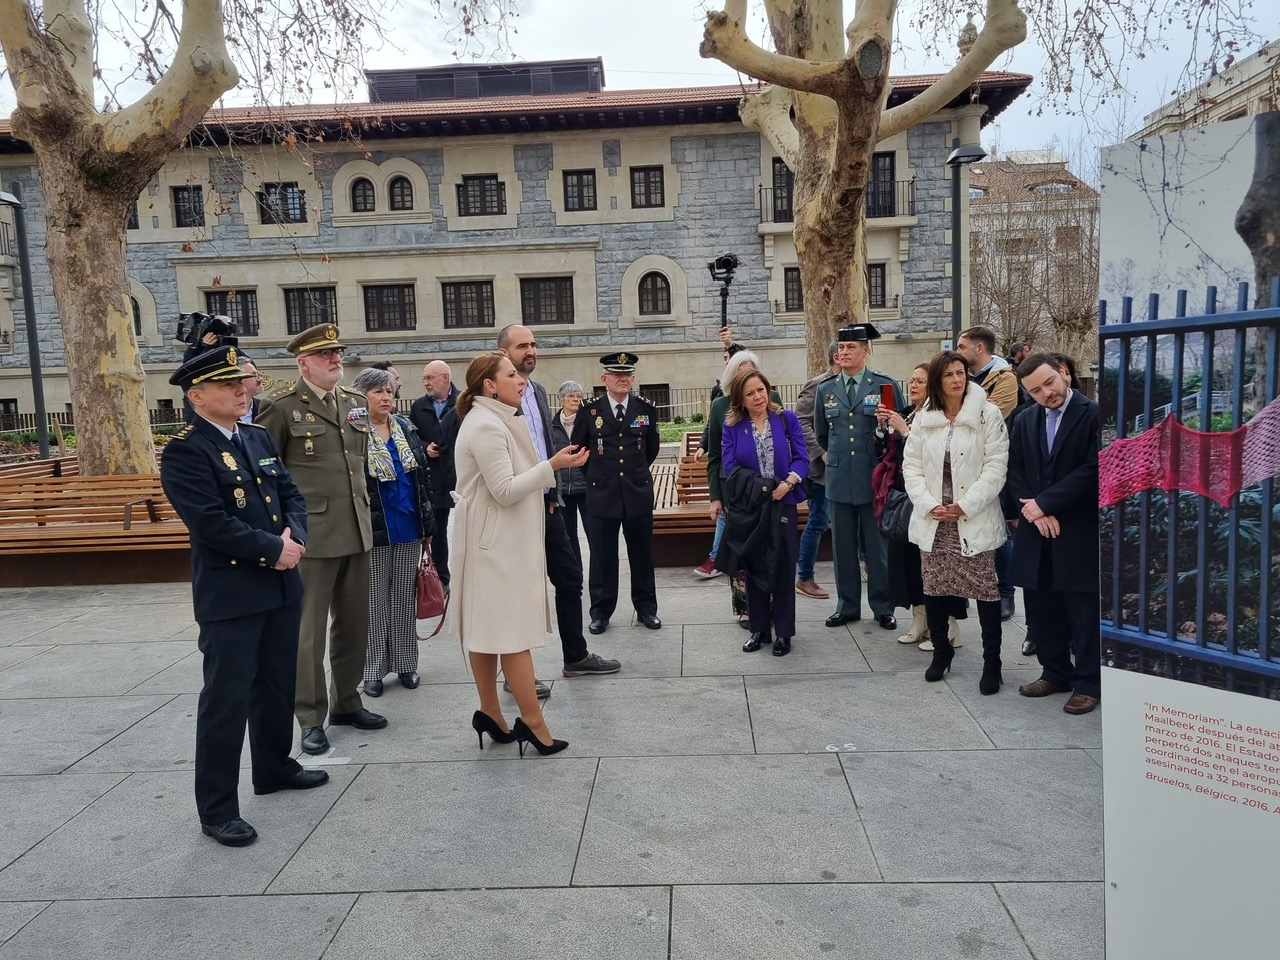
238, 493
623, 359
231, 357
331, 332
297, 416
309, 447
311, 417
599, 422
229, 460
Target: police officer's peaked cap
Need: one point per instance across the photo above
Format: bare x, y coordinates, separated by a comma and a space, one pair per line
323, 336
859, 332
220, 363
622, 362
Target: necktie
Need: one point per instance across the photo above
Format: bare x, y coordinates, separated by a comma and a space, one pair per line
331, 404
239, 444
1051, 425
620, 412
851, 385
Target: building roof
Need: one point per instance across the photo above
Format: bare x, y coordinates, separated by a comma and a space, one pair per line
1010, 181
548, 112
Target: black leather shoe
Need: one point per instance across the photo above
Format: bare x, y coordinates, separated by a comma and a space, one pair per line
373, 688
599, 625
840, 619
888, 621
362, 719
314, 741
782, 646
541, 689
755, 641
302, 780
1006, 608
233, 833
651, 621
409, 680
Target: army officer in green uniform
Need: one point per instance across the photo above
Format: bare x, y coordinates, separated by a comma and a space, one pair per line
844, 420
321, 429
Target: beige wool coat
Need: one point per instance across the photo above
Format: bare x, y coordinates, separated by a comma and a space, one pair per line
499, 565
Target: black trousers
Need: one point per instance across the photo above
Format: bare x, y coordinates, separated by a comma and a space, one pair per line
250, 669
1066, 628
440, 546
575, 507
564, 569
602, 535
778, 610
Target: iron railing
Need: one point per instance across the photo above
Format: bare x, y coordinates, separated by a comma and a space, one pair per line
1189, 585
885, 198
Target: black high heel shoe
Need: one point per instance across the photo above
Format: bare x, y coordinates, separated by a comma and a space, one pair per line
942, 657
482, 723
524, 736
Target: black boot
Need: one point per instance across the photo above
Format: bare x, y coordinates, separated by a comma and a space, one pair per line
989, 618
935, 609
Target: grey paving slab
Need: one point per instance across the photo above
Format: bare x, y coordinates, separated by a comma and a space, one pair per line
566, 924
954, 815
164, 741
184, 676
47, 736
886, 654
27, 621
722, 820
143, 840
31, 808
699, 715
858, 712
89, 670
1059, 921
854, 921
193, 928
13, 916
709, 601
1011, 720
643, 652
132, 594
433, 826
18, 653
1096, 754
120, 624
442, 660
716, 650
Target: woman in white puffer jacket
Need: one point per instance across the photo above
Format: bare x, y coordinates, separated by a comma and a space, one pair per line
954, 467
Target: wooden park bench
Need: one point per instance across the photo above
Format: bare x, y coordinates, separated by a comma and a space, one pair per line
54, 467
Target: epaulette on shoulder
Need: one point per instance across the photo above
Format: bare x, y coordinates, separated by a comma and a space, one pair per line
282, 391
828, 377
350, 392
185, 432
645, 400
245, 423
881, 373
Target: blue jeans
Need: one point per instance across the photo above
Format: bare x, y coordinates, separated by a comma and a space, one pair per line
814, 528
715, 544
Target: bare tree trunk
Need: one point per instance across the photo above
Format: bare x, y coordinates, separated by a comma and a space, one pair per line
1258, 223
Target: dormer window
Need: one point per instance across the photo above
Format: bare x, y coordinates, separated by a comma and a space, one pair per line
1050, 189
977, 193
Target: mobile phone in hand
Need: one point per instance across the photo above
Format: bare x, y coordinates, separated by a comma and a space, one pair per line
887, 397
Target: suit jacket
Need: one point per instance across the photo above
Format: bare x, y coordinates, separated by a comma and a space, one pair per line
544, 411
236, 507
1065, 485
738, 449
326, 455
430, 429
805, 403
847, 431
619, 483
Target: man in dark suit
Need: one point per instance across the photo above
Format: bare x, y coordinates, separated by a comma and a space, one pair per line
252, 387
248, 526
621, 432
563, 566
428, 414
1053, 494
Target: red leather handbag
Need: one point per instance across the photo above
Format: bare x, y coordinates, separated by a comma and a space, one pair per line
433, 600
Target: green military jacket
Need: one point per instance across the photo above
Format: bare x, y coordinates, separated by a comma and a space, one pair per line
846, 429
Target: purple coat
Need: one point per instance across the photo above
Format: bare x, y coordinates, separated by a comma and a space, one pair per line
738, 449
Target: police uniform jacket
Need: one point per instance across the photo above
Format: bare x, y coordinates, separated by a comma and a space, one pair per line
236, 506
846, 429
326, 456
619, 484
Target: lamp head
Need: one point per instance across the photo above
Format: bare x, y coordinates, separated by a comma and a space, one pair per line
962, 155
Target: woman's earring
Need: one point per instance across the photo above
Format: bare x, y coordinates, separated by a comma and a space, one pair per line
494, 395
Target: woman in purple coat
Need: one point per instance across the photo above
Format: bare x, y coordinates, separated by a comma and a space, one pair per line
765, 446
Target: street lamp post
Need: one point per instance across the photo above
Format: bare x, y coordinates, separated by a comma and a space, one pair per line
14, 200
958, 158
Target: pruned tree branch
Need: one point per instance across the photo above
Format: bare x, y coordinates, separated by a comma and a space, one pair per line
769, 113
24, 57
724, 38
67, 24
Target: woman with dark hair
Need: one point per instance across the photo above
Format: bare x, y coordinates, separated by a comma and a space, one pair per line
500, 568
399, 484
953, 468
765, 459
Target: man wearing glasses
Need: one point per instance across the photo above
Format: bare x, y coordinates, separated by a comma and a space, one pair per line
321, 429
621, 432
252, 387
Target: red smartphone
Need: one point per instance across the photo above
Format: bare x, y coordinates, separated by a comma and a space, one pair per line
886, 396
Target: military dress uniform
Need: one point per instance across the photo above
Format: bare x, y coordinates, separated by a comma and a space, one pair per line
324, 449
236, 498
619, 495
845, 425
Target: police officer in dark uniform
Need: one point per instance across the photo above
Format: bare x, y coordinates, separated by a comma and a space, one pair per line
248, 526
621, 432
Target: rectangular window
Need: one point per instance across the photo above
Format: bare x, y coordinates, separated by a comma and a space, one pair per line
646, 187
1068, 238
579, 190
132, 222
240, 305
792, 292
468, 304
307, 306
188, 206
482, 196
880, 198
280, 203
546, 300
784, 184
390, 306
875, 285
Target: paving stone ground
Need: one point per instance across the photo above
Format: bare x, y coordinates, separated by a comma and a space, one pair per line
711, 804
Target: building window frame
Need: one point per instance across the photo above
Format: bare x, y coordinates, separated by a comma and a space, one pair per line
308, 306
654, 292
784, 192
482, 195
282, 203
468, 304
400, 194
877, 286
546, 300
131, 221
881, 201
364, 198
792, 290
579, 190
648, 187
240, 305
188, 205
390, 307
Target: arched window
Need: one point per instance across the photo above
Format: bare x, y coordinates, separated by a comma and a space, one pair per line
401, 191
655, 294
362, 197
137, 316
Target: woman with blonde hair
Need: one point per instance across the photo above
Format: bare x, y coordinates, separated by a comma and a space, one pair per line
498, 549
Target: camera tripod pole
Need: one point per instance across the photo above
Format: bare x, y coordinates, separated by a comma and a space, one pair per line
724, 302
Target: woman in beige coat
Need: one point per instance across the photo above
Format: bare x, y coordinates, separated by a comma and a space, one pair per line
499, 570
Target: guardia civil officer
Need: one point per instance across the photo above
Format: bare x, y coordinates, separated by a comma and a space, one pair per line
620, 431
844, 421
248, 525
321, 428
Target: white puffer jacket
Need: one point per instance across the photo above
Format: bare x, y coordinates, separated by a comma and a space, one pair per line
979, 461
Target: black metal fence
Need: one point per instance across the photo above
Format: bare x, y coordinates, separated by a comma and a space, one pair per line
885, 198
1189, 585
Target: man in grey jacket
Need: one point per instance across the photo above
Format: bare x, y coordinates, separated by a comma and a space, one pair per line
819, 519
